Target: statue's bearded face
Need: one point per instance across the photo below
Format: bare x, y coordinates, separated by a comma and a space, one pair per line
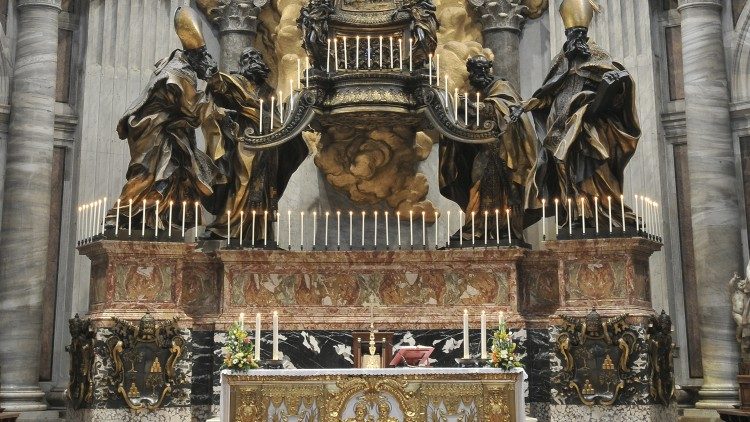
480, 72
252, 65
201, 62
577, 44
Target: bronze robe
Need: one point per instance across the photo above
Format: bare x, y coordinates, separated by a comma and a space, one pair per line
165, 164
584, 151
492, 176
257, 178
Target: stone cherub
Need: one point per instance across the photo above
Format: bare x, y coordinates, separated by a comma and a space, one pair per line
741, 308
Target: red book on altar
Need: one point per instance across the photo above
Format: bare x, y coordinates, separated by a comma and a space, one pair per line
413, 356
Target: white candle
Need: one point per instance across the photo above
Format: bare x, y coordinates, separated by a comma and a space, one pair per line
346, 61
281, 107
278, 228
273, 100
436, 229
390, 44
637, 223
486, 214
307, 75
242, 225
338, 228
622, 211
265, 227
455, 105
570, 216
80, 225
130, 217
477, 105
410, 57
643, 214
429, 66
257, 337
301, 229
229, 227
557, 224
609, 212
356, 53
380, 47
252, 231
461, 223
299, 73
328, 58
103, 218
84, 228
351, 228
596, 214
117, 216
446, 92
466, 108
400, 57
156, 220
424, 231
500, 319
184, 208
363, 229
507, 217
326, 240
275, 335
437, 70
484, 335
143, 219
387, 240
472, 228
583, 215
497, 226
315, 227
289, 228
260, 118
466, 334
369, 63
544, 222
398, 227
375, 237
291, 97
411, 228
336, 53
169, 229
242, 320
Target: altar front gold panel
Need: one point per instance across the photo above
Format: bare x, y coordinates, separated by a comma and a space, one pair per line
385, 395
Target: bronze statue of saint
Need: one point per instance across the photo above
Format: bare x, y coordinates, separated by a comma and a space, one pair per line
165, 163
313, 21
257, 178
494, 176
592, 128
424, 27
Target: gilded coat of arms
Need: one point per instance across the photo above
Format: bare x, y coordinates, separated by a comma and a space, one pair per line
144, 357
596, 356
81, 349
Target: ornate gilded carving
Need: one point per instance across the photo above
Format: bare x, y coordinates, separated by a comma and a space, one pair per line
143, 359
80, 386
661, 353
596, 356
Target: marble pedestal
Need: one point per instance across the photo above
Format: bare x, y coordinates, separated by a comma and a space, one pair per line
324, 296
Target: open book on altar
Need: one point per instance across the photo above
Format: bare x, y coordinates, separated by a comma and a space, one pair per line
412, 356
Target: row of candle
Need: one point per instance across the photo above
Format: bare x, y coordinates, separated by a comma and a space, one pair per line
647, 215
92, 217
371, 41
275, 326
483, 332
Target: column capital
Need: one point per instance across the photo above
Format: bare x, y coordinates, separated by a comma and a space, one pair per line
54, 4
706, 4
501, 15
233, 15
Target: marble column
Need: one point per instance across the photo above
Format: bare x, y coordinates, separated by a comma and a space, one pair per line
23, 241
502, 22
237, 22
714, 207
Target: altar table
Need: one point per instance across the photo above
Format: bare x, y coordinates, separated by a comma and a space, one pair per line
378, 395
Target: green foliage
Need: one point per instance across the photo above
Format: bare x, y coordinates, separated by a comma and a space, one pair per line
238, 351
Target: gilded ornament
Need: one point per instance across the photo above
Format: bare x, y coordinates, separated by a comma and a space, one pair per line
188, 27
578, 13
82, 357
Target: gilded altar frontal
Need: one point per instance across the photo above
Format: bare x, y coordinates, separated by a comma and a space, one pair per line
374, 210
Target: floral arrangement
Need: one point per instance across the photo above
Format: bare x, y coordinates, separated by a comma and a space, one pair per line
238, 351
504, 353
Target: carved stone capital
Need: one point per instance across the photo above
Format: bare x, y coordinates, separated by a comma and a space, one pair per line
54, 4
501, 15
233, 15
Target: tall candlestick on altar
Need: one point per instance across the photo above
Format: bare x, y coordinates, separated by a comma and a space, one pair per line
380, 51
410, 57
104, 215
291, 97
130, 217
289, 228
398, 227
156, 220
80, 224
557, 219
429, 67
424, 231
338, 228
436, 229
346, 54
448, 225
637, 223
278, 228
143, 219
473, 237
242, 320
301, 229
363, 229
117, 216
257, 337
84, 229
609, 212
643, 215
390, 45
583, 215
461, 223
229, 227
328, 60
252, 230
260, 118
326, 231
169, 229
437, 71
369, 63
315, 227
477, 110
184, 208
466, 334
387, 240
281, 107
307, 77
411, 228
356, 53
497, 226
351, 228
544, 222
466, 108
299, 73
570, 216
486, 214
375, 237
446, 92
270, 127
275, 354
336, 53
197, 218
400, 56
455, 105
622, 211
265, 228
507, 218
483, 341
596, 214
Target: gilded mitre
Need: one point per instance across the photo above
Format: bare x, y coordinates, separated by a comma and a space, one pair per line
578, 13
188, 27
